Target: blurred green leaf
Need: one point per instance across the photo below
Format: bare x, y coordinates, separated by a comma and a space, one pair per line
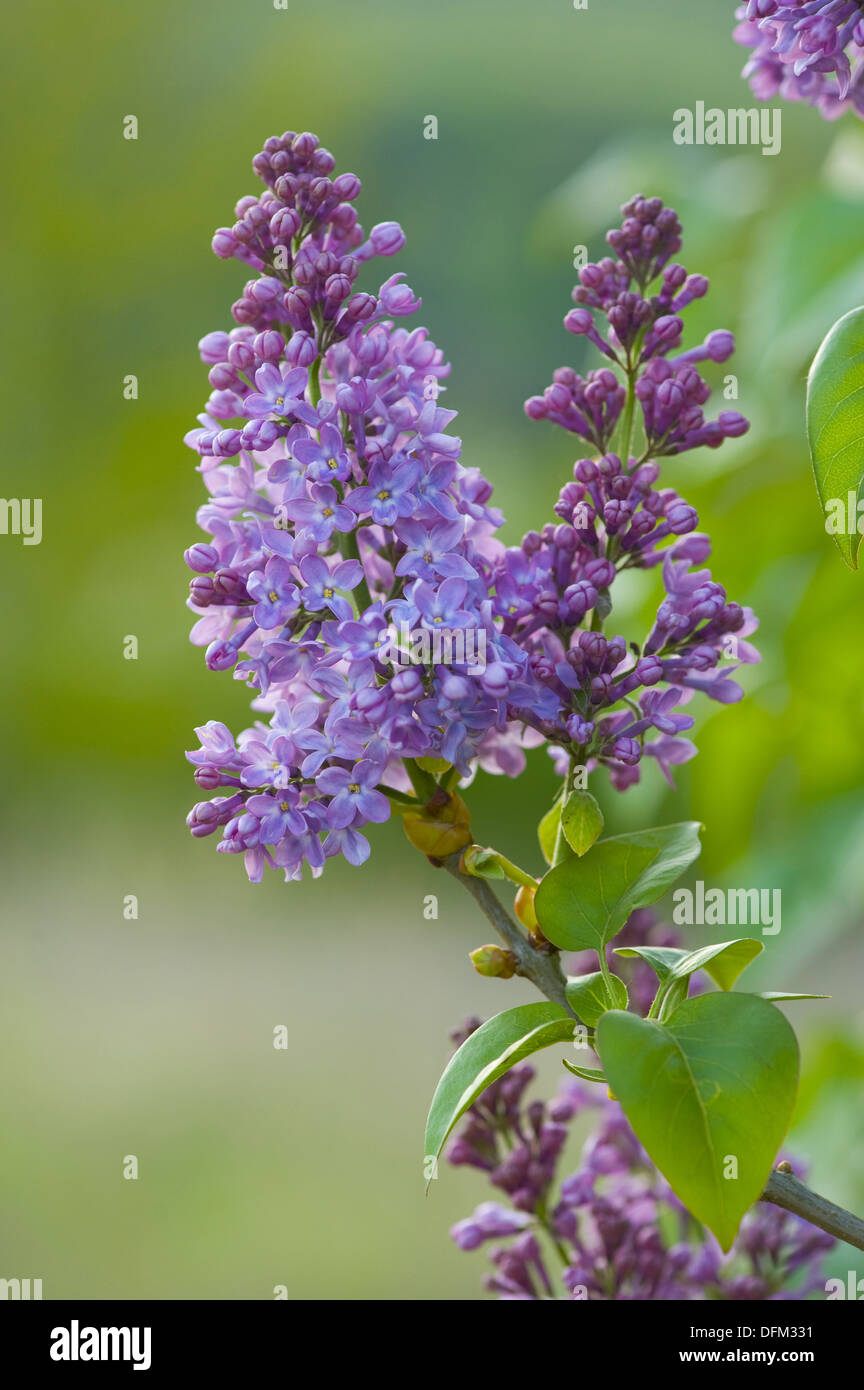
835, 424
547, 832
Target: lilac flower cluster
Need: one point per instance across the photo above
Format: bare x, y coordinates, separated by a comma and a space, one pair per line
339, 513
607, 1226
614, 517
338, 506
596, 699
806, 50
641, 333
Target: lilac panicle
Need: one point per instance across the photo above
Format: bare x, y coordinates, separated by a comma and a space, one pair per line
338, 505
805, 50
612, 1230
641, 334
553, 592
340, 513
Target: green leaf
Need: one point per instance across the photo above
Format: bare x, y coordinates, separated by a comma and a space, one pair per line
662, 959
835, 422
487, 1054
715, 1083
582, 903
581, 821
776, 995
586, 1073
547, 832
589, 996
724, 961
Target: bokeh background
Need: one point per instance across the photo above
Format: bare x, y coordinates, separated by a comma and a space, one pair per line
154, 1037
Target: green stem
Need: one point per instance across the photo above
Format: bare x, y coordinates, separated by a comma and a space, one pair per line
314, 381
423, 782
352, 551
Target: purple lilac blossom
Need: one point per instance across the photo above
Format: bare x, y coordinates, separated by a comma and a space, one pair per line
613, 1230
805, 50
339, 511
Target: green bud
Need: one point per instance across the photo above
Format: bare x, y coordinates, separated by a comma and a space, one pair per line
494, 961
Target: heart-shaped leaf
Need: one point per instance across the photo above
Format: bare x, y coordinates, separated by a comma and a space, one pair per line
484, 1056
589, 996
835, 429
709, 1094
582, 903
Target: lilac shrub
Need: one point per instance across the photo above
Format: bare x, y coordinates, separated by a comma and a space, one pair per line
352, 575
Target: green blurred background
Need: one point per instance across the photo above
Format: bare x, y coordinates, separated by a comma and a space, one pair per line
154, 1037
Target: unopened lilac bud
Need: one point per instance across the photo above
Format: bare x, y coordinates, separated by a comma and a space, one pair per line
203, 819
578, 321
585, 470
668, 328
201, 557
228, 583
454, 687
224, 244
208, 777
387, 238
346, 187
352, 396
732, 424
649, 670
371, 703
301, 350
627, 751
407, 684
285, 224
222, 377
682, 518
361, 307
267, 290
269, 346
227, 443
201, 591
304, 146
720, 345
337, 288
495, 679
213, 347
241, 356
220, 656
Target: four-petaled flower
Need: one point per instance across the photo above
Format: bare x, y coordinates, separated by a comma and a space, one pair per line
275, 592
321, 584
353, 794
